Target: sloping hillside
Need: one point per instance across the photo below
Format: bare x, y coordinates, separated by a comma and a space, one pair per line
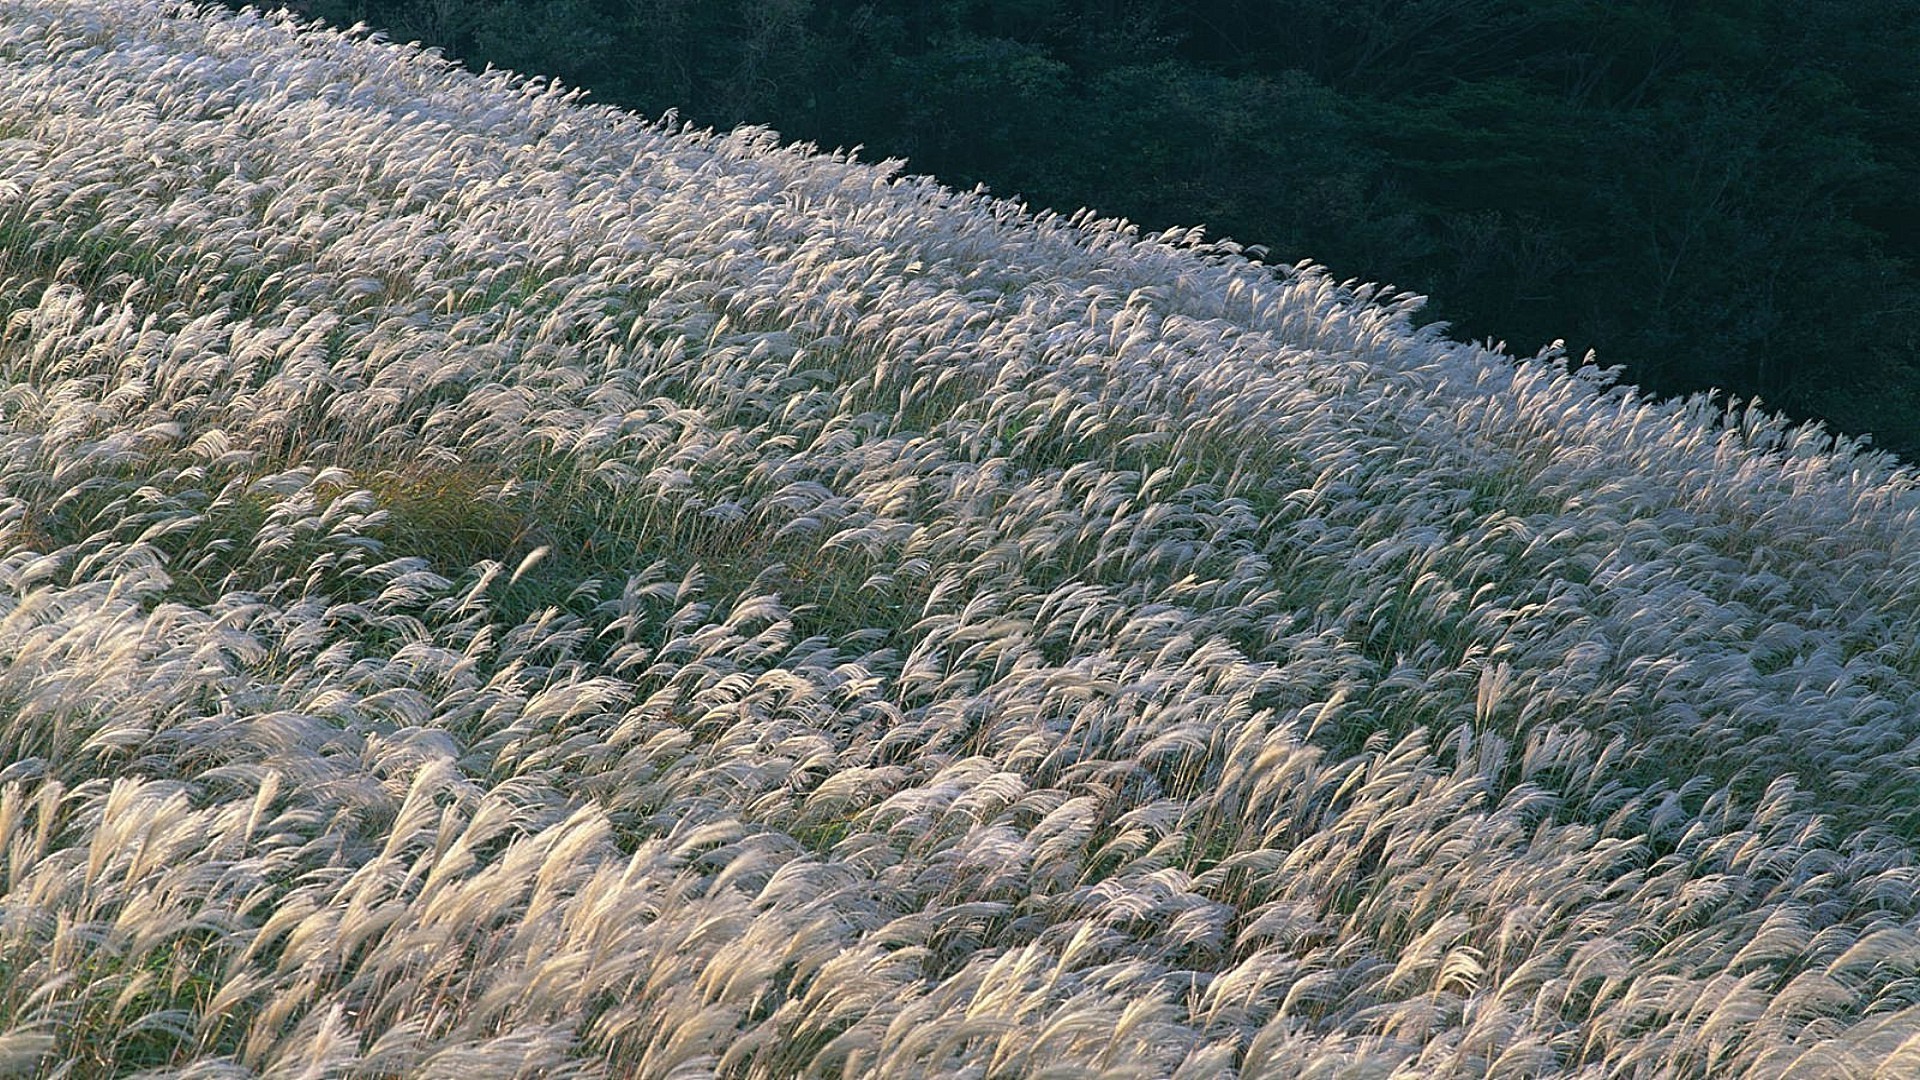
493, 586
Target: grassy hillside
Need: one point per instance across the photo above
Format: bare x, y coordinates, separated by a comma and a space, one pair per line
493, 586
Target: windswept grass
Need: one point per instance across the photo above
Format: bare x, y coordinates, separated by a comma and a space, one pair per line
493, 586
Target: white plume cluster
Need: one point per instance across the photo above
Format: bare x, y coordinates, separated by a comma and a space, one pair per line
491, 586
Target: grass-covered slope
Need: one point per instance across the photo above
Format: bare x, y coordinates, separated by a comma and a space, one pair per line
491, 586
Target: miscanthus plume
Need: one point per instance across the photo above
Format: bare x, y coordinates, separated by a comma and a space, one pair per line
494, 586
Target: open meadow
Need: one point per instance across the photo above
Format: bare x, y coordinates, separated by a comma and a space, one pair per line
492, 586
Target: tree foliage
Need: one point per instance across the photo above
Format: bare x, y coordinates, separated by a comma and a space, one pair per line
1715, 193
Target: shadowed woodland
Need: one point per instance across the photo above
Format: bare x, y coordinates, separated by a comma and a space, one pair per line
1714, 194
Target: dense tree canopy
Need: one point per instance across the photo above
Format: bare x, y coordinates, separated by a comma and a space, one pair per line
1713, 193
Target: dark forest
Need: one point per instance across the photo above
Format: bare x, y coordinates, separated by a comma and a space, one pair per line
1712, 193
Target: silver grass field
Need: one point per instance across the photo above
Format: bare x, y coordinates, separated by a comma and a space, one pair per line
492, 586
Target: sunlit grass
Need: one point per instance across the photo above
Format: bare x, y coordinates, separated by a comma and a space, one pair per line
490, 585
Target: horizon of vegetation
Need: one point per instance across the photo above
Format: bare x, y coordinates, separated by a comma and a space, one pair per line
491, 585
1720, 194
